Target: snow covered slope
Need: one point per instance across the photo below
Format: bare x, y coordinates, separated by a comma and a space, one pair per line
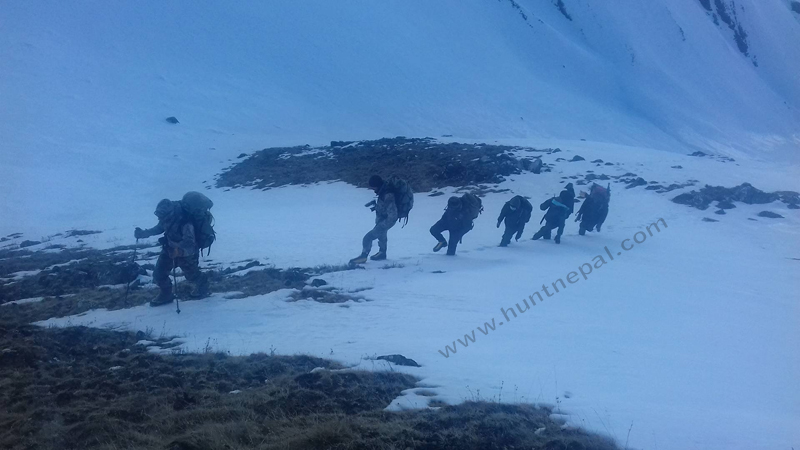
690, 336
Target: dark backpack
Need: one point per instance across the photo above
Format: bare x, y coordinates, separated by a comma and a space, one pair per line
197, 209
600, 193
526, 209
471, 205
403, 197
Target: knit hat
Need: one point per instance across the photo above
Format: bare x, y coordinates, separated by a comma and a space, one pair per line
375, 181
164, 209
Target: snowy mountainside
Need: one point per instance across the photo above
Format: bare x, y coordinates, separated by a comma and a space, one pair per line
86, 87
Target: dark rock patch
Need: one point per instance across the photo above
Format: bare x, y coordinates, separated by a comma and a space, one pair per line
792, 206
721, 212
639, 181
698, 153
609, 164
72, 233
317, 282
399, 360
706, 219
744, 193
577, 158
426, 164
677, 167
770, 215
725, 204
172, 120
597, 161
24, 244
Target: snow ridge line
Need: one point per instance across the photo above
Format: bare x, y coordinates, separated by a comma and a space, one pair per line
585, 269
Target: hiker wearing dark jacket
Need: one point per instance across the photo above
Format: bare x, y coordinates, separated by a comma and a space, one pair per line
558, 209
178, 249
385, 217
456, 221
594, 210
516, 213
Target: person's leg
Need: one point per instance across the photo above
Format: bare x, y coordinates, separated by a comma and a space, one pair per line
436, 231
455, 237
509, 233
191, 270
560, 232
541, 233
366, 243
161, 279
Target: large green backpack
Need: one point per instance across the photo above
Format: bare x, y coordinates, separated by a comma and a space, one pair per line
472, 206
197, 210
403, 196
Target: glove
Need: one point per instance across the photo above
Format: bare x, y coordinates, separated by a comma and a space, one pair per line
139, 233
372, 209
498, 224
519, 235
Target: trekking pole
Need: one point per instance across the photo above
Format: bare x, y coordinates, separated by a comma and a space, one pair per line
133, 261
175, 289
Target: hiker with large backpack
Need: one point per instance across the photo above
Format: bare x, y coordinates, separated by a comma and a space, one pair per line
594, 210
187, 226
458, 219
516, 213
558, 209
394, 202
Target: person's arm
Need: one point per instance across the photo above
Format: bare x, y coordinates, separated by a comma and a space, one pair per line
503, 214
139, 233
546, 204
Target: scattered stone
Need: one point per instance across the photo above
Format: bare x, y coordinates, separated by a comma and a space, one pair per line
609, 164
770, 215
172, 120
577, 158
24, 244
536, 166
677, 167
721, 212
792, 206
592, 177
317, 282
399, 360
241, 155
639, 181
750, 218
597, 161
560, 159
556, 150
72, 233
698, 153
725, 204
706, 219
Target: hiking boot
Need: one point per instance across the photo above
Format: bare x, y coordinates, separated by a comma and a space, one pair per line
440, 245
536, 236
164, 298
582, 231
380, 256
558, 239
361, 259
503, 244
598, 227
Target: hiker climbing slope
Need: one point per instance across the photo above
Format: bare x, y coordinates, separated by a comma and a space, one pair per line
187, 226
558, 209
458, 220
594, 210
516, 213
394, 202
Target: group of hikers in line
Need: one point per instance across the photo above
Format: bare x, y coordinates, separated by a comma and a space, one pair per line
187, 226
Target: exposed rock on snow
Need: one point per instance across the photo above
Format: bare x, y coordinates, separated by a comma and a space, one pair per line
399, 360
744, 193
770, 215
172, 120
425, 163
